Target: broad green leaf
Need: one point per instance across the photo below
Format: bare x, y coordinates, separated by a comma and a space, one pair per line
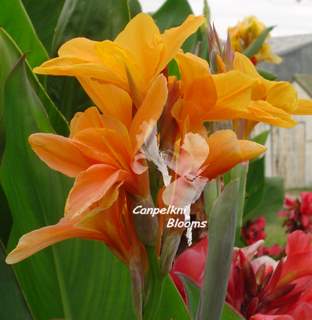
75, 279
95, 19
134, 8
255, 186
173, 13
10, 54
5, 218
256, 45
193, 295
14, 19
267, 75
230, 314
262, 137
44, 15
12, 303
222, 225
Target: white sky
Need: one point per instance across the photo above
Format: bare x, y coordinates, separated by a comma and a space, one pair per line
289, 16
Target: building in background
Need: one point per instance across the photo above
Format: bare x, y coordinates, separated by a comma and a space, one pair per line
290, 150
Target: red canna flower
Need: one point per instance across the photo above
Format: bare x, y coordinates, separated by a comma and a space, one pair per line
298, 213
260, 288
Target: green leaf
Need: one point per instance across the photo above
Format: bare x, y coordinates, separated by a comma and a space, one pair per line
230, 314
12, 303
10, 54
222, 225
75, 279
267, 75
95, 19
172, 306
256, 45
262, 137
44, 15
134, 8
193, 294
171, 14
14, 19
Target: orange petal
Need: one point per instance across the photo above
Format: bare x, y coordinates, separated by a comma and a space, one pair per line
174, 38
90, 118
141, 37
191, 67
226, 151
93, 185
149, 112
112, 140
59, 153
37, 240
111, 100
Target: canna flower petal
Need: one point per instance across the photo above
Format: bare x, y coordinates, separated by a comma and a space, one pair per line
304, 107
90, 118
59, 153
174, 38
224, 145
131, 62
99, 182
113, 226
37, 240
149, 112
105, 96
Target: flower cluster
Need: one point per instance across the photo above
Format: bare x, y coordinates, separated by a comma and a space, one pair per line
245, 33
253, 231
298, 213
259, 288
145, 143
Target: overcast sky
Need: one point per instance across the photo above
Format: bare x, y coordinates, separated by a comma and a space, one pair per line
289, 16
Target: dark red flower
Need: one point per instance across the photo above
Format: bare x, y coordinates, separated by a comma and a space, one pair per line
261, 288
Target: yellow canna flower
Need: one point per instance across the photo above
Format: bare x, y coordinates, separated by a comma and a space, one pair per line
245, 33
131, 62
273, 101
237, 94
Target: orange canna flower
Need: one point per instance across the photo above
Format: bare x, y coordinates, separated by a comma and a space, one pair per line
102, 155
130, 62
113, 226
199, 160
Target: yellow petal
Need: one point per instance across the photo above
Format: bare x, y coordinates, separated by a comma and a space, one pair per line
262, 111
82, 48
149, 112
304, 107
72, 66
92, 185
59, 153
110, 99
174, 38
283, 95
243, 64
234, 90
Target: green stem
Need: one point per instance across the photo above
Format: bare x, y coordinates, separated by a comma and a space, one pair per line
242, 175
154, 287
